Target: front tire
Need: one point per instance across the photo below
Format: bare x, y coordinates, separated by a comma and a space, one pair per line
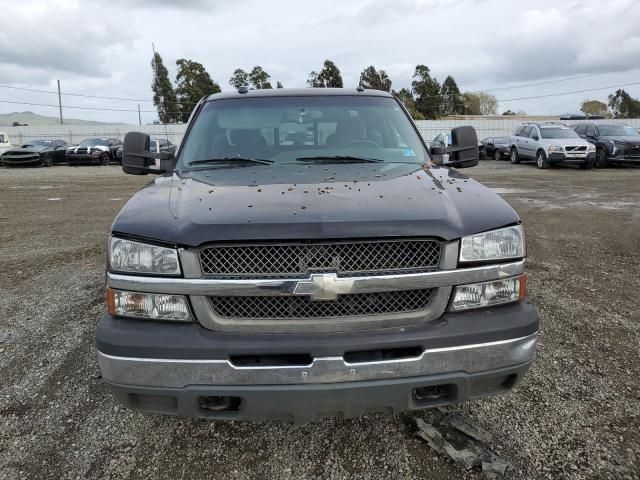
47, 161
587, 165
541, 160
601, 158
515, 158
496, 155
104, 158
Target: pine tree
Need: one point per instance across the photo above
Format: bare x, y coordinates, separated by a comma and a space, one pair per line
452, 102
239, 79
328, 77
259, 78
426, 91
192, 83
164, 97
378, 80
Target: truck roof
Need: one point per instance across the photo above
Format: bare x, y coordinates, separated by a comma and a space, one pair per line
298, 92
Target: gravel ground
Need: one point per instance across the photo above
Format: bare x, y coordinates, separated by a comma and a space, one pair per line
576, 415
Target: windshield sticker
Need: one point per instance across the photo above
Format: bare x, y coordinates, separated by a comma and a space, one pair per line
408, 152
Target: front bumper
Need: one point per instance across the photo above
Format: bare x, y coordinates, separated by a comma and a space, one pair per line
167, 368
82, 157
21, 160
303, 403
562, 157
626, 157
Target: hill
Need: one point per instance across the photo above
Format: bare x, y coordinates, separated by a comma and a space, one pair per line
30, 118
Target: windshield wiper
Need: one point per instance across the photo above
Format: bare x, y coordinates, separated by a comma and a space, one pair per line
339, 158
231, 159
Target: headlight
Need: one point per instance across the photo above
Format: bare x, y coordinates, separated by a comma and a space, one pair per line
127, 256
555, 148
494, 245
591, 147
487, 294
150, 306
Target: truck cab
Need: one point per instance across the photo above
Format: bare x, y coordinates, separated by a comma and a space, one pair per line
258, 277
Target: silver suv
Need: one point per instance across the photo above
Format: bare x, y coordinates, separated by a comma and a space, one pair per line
550, 143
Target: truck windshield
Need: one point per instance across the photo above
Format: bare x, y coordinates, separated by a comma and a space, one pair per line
284, 130
90, 142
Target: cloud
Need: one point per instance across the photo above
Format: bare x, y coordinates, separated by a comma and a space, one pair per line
59, 37
198, 5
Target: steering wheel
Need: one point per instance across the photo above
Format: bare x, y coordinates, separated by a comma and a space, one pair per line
363, 142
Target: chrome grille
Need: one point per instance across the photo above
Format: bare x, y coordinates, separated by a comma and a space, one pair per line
297, 260
580, 148
287, 307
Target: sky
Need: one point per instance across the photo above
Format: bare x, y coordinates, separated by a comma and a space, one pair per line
104, 47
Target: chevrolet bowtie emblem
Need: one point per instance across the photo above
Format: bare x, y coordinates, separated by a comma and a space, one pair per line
323, 286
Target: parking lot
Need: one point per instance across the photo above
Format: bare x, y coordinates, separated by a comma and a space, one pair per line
576, 414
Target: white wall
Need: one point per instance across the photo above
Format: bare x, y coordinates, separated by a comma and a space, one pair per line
75, 133
485, 126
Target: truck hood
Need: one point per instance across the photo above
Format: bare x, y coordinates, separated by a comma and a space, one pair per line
311, 202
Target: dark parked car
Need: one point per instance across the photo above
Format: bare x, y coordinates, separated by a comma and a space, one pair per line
615, 142
93, 150
157, 145
40, 153
496, 148
255, 279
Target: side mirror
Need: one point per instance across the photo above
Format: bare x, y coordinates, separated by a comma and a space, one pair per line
536, 138
138, 160
464, 151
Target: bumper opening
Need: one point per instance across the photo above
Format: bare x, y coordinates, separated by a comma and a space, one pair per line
434, 394
217, 403
364, 356
272, 360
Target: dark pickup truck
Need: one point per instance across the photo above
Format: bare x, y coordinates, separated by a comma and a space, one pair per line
262, 278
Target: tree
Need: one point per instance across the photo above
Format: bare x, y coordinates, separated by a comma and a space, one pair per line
471, 103
377, 80
406, 97
452, 103
328, 77
192, 83
594, 107
279, 84
259, 78
426, 91
488, 103
240, 78
164, 97
624, 105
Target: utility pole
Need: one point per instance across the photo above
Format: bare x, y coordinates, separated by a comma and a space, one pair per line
60, 102
139, 117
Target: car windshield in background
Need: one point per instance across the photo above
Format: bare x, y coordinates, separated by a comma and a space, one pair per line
40, 143
284, 130
617, 130
551, 132
501, 141
94, 141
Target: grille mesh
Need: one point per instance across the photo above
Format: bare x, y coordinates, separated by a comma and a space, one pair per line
297, 260
259, 307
